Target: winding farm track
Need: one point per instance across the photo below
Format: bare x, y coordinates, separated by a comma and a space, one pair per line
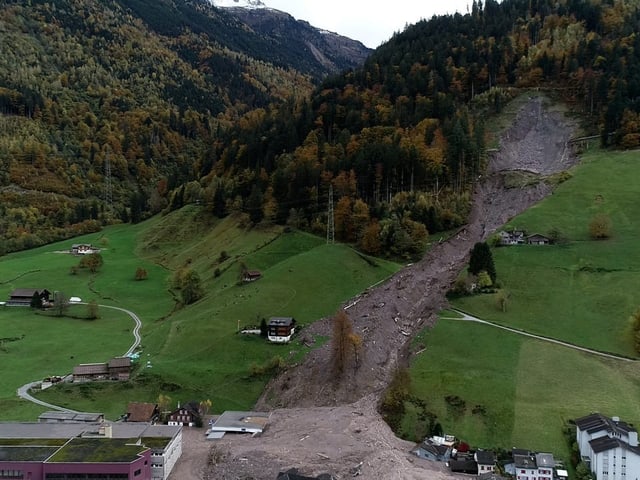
23, 391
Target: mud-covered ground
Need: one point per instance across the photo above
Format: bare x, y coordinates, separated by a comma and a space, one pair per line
318, 425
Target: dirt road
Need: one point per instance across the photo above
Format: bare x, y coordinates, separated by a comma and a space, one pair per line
323, 426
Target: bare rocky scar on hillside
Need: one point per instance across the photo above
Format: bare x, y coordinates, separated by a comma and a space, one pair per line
388, 315
321, 425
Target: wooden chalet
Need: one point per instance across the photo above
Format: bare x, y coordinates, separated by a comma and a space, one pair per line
83, 249
249, 276
538, 239
281, 329
21, 297
187, 415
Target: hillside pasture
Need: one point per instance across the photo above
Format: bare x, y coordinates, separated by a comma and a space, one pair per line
192, 352
517, 391
580, 290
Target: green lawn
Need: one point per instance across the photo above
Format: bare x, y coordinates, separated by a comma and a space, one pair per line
527, 388
582, 291
194, 352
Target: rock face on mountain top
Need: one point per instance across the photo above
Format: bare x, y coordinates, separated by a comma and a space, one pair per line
331, 51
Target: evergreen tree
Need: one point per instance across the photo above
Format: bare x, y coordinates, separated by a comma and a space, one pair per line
36, 300
254, 205
481, 259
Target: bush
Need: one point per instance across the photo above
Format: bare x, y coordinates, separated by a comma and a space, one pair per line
600, 227
271, 367
141, 274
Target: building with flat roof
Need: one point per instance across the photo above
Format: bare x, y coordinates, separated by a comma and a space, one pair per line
238, 422
61, 451
57, 416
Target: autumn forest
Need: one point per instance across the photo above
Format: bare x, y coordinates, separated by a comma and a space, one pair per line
110, 115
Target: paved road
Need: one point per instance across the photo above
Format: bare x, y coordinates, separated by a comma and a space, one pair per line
470, 318
23, 391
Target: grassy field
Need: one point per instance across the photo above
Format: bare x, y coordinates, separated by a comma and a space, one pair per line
195, 352
526, 388
582, 291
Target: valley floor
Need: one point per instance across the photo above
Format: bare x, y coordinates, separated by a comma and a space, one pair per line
319, 425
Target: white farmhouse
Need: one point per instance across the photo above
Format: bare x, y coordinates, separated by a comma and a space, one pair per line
609, 446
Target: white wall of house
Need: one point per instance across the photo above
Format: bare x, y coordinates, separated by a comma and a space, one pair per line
172, 455
526, 473
616, 464
619, 463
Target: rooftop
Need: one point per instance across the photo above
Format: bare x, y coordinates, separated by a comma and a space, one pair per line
231, 421
98, 450
485, 457
596, 422
21, 433
285, 321
71, 416
524, 461
120, 362
140, 411
26, 453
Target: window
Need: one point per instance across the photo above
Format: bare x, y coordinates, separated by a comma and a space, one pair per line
137, 473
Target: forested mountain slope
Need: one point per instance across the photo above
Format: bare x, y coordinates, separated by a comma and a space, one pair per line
114, 100
400, 140
122, 101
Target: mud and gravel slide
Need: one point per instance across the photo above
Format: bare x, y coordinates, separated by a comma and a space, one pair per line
311, 405
387, 316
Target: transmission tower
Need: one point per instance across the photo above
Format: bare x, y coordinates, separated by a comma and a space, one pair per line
108, 190
331, 226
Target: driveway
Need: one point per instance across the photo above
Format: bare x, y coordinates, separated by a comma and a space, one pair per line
23, 391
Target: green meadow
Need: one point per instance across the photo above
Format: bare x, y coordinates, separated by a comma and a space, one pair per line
581, 291
188, 353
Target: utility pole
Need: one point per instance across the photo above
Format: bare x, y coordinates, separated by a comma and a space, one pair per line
331, 226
